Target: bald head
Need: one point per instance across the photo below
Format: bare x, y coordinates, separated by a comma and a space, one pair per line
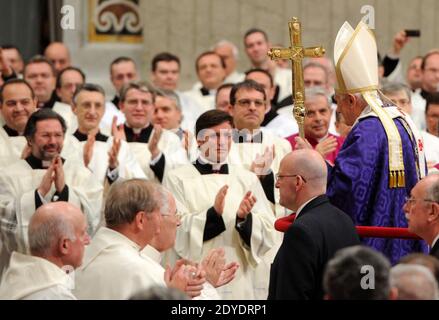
302, 175
59, 55
53, 223
309, 164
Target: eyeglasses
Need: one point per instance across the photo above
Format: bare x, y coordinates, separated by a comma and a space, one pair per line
411, 200
279, 176
176, 216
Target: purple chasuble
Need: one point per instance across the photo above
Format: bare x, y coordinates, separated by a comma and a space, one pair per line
358, 184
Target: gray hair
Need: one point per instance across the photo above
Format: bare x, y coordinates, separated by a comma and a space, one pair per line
171, 95
313, 92
432, 191
127, 198
414, 282
44, 236
344, 272
89, 87
228, 43
392, 87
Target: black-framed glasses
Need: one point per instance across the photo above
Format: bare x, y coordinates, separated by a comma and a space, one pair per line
411, 200
279, 176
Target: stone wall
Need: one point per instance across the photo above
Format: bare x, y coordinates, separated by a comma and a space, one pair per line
188, 27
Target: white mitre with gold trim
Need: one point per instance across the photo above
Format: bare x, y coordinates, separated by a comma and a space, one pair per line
356, 61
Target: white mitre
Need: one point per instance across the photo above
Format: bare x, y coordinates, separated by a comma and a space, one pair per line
356, 61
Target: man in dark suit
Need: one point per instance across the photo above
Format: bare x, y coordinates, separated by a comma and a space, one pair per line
422, 211
320, 229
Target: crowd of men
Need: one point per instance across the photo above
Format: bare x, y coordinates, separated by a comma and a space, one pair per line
156, 188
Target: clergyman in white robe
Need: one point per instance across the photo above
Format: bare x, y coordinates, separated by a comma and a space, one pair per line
34, 278
19, 198
114, 269
172, 154
202, 229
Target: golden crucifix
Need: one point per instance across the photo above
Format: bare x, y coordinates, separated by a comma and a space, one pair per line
296, 52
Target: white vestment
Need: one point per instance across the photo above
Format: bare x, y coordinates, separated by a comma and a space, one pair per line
170, 146
282, 78
65, 110
288, 110
115, 269
245, 153
128, 166
418, 110
205, 102
18, 185
431, 145
110, 111
34, 278
282, 126
195, 195
10, 148
235, 77
190, 110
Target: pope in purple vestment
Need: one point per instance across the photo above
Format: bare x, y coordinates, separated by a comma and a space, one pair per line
358, 184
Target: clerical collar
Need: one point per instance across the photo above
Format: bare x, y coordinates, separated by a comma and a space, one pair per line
138, 135
11, 132
83, 137
36, 163
49, 104
116, 101
206, 167
206, 92
244, 136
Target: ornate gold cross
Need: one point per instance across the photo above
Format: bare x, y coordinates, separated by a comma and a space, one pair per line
296, 52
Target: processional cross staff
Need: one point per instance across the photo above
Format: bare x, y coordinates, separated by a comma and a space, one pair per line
296, 52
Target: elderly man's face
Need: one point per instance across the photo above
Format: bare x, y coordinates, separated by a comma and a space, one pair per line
318, 116
82, 239
418, 208
226, 52
168, 227
288, 182
401, 100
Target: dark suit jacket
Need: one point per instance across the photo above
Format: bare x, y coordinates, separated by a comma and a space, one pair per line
434, 251
318, 232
